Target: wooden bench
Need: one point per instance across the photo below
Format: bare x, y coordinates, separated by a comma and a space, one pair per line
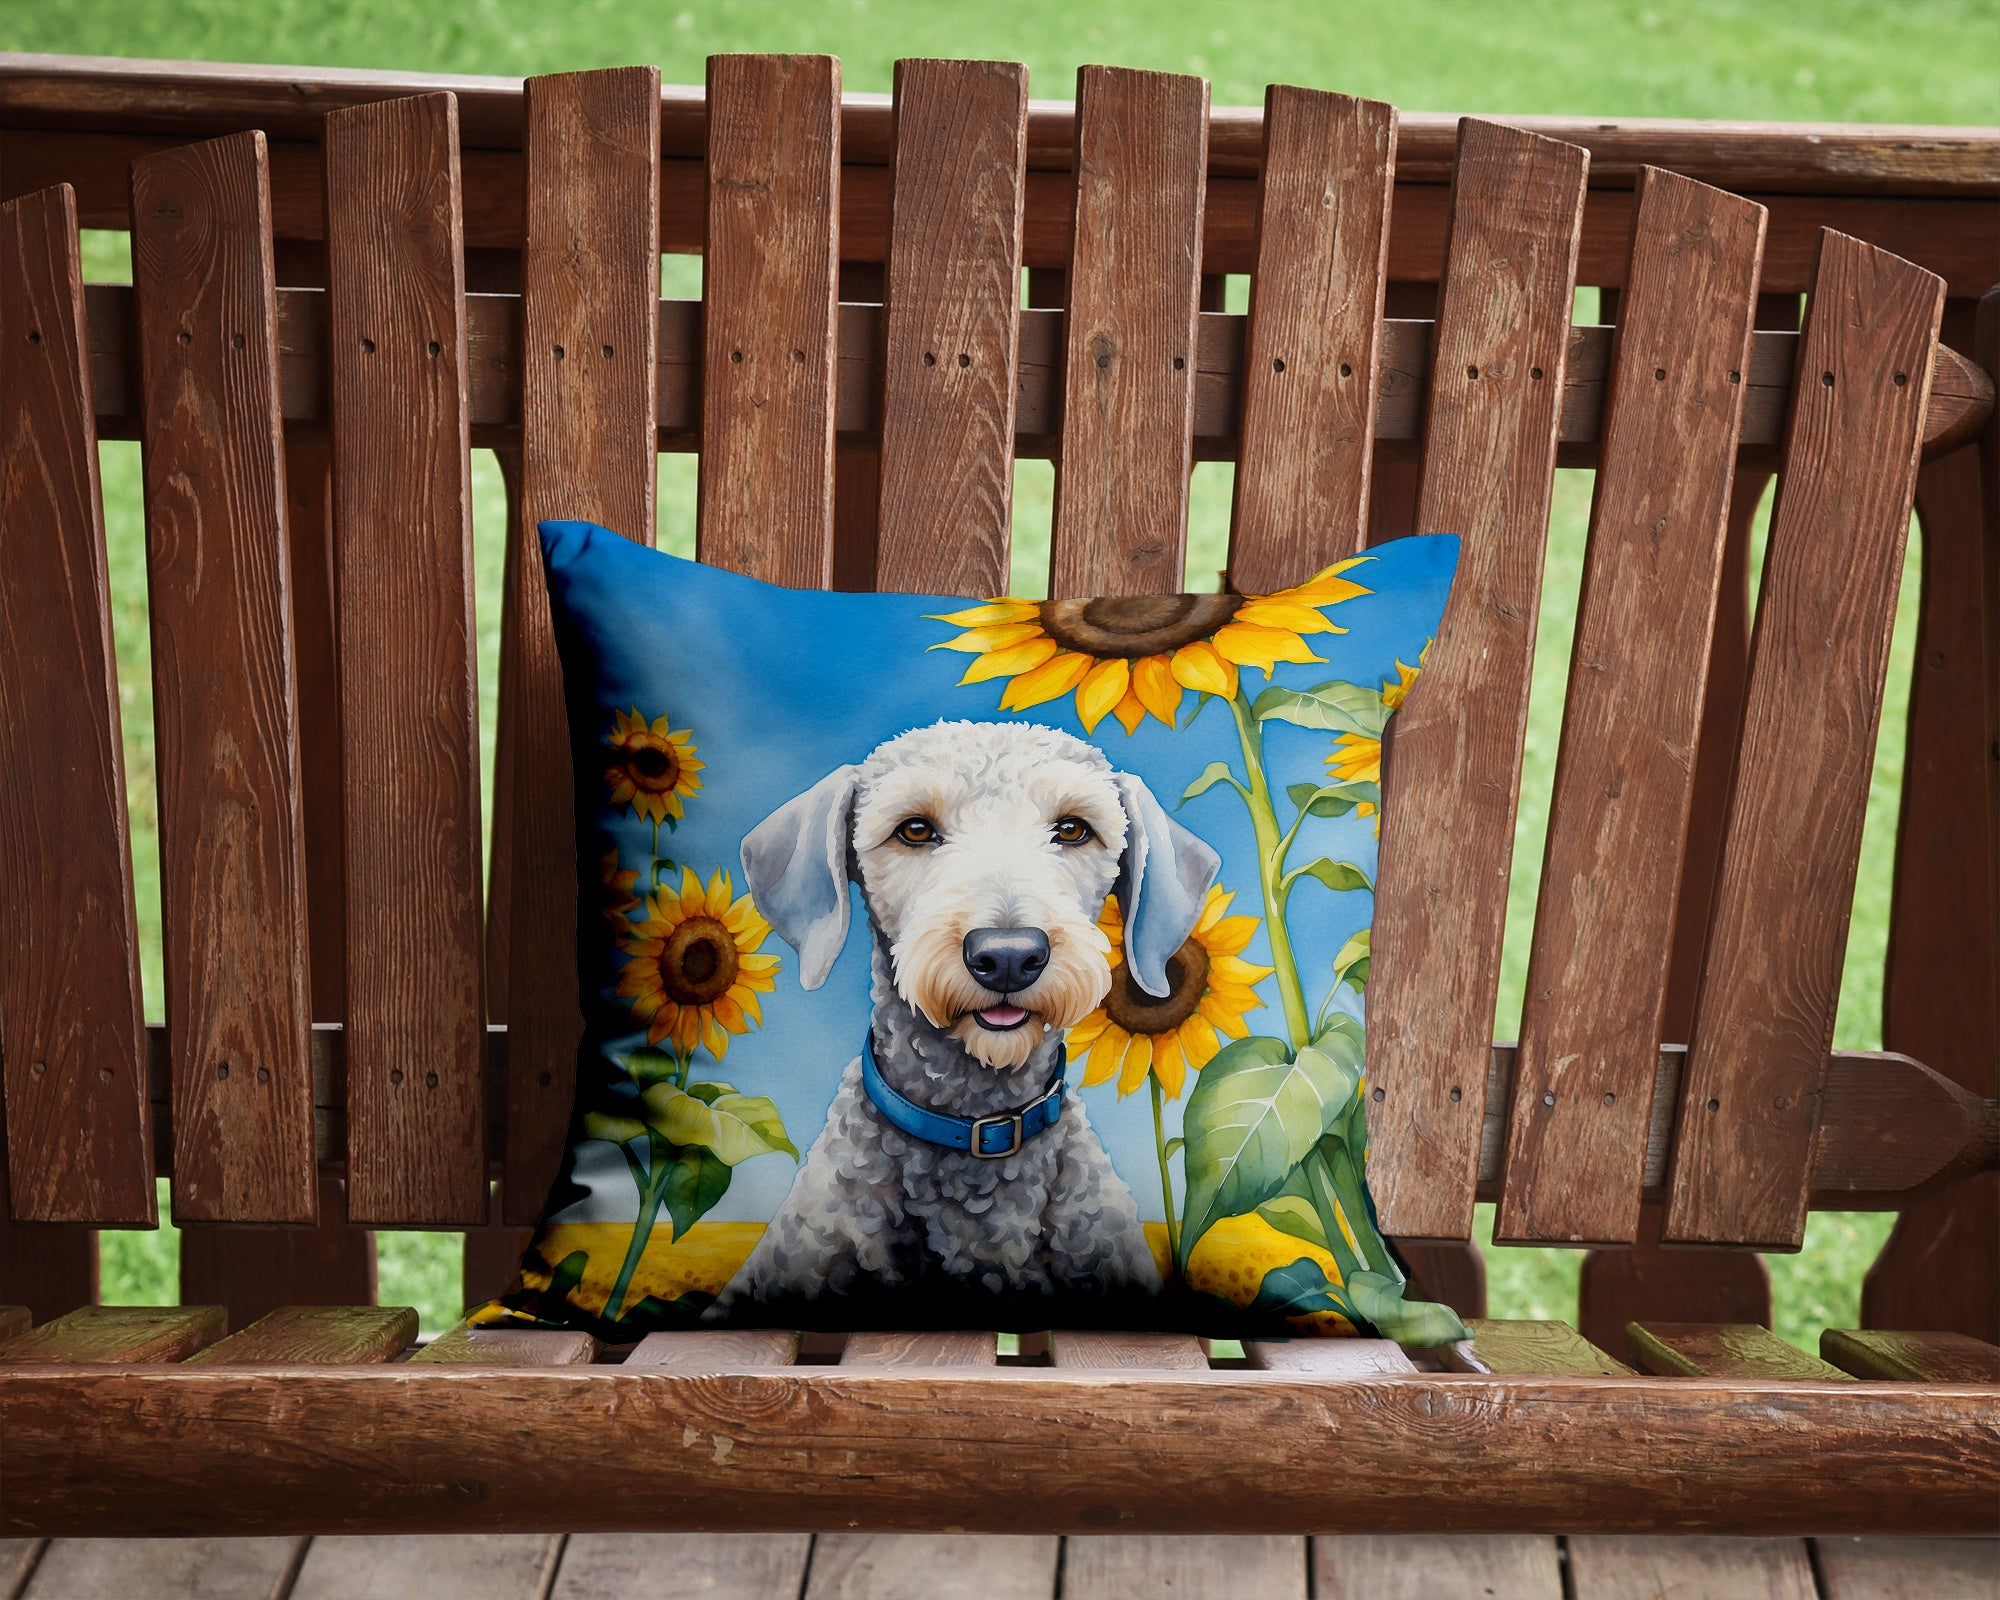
340, 285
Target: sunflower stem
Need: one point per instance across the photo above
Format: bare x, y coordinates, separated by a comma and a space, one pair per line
655, 871
1271, 864
1166, 1174
650, 1197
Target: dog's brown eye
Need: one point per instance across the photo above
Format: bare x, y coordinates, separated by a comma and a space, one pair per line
1074, 830
917, 830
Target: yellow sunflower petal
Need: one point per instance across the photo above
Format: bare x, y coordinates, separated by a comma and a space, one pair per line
1012, 661
1138, 1062
1158, 690
995, 636
1130, 710
1213, 906
1050, 681
1102, 688
1085, 1032
1197, 1038
1225, 1018
1103, 1060
1005, 609
714, 1036
717, 903
1250, 646
1230, 936
1169, 1066
1277, 611
729, 1014
1203, 668
745, 998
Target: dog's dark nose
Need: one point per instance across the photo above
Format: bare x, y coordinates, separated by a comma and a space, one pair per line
1006, 960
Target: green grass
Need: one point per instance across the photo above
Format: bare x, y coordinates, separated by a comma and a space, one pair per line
1839, 60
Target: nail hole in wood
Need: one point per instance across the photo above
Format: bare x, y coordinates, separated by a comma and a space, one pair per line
1659, 374
236, 341
1826, 380
39, 1068
560, 352
1611, 1099
1278, 365
1457, 1095
1378, 1096
367, 347
545, 1078
263, 1074
430, 1080
185, 337
964, 360
799, 355
736, 356
34, 336
1535, 373
222, 1071
1472, 372
1715, 1105
605, 351
1180, 363
433, 348
105, 1074
1547, 1098
1345, 370
1736, 377
1901, 379
930, 358
396, 1076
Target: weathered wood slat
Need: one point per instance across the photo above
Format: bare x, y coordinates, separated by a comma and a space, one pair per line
1915, 1357
1721, 1350
589, 341
1751, 1097
1138, 1352
931, 1566
1327, 1358
253, 1271
716, 1350
1313, 344
491, 1566
318, 1335
78, 1141
1907, 1569
94, 1335
1367, 1566
716, 1566
951, 322
1507, 1347
1129, 357
412, 1449
409, 711
1597, 972
232, 868
769, 350
1270, 1566
919, 1350
1489, 465
508, 1347
185, 1569
1643, 1566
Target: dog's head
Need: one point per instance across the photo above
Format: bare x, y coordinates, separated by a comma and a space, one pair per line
984, 851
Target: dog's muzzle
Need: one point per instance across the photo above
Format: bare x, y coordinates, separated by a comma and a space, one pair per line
988, 1138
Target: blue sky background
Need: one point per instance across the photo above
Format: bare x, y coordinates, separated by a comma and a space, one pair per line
780, 686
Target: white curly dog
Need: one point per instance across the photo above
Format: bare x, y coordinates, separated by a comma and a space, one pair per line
952, 1157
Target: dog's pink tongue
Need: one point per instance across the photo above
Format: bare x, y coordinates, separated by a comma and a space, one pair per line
1003, 1016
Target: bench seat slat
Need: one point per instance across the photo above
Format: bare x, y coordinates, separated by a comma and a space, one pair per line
589, 351
1721, 1350
409, 695
716, 1349
1597, 972
1489, 466
1507, 1347
951, 324
770, 352
78, 1135
254, 1271
920, 1350
116, 1335
508, 1347
225, 710
1129, 352
1314, 339
320, 1335
1137, 1352
1751, 1094
1912, 1357
1328, 1358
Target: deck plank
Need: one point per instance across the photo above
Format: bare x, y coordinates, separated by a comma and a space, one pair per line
1908, 1569
1371, 1566
440, 1566
932, 1566
1647, 1567
652, 1566
164, 1569
1185, 1566
17, 1560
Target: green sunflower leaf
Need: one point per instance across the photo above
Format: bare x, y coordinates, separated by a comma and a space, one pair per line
1212, 774
1335, 707
1344, 1038
619, 1130
1419, 1323
1294, 1214
1174, 1147
709, 1093
1340, 876
695, 1183
1250, 1119
734, 1127
646, 1066
1351, 964
1334, 799
1296, 1290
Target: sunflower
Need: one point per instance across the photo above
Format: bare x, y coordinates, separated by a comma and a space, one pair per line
652, 768
1211, 989
1357, 757
692, 974
618, 886
1134, 654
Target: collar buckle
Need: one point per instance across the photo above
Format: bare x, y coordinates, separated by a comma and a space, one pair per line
1006, 1119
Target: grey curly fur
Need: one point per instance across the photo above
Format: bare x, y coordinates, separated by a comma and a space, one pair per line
873, 1208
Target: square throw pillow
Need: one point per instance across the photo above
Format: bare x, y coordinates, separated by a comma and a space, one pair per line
958, 963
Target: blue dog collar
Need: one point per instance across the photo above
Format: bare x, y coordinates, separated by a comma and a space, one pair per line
988, 1138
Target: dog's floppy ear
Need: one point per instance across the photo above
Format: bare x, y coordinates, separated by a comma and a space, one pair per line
1162, 882
795, 862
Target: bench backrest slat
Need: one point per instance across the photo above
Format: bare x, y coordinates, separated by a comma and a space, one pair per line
589, 343
951, 327
1315, 337
1771, 980
1597, 973
1496, 385
232, 870
416, 1028
770, 347
78, 1129
1129, 337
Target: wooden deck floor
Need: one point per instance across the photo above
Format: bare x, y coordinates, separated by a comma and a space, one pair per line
860, 1566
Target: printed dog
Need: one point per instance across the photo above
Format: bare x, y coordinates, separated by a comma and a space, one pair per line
952, 1155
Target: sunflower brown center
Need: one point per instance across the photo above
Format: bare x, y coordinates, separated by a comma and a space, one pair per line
654, 767
699, 963
1136, 625
1138, 1012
